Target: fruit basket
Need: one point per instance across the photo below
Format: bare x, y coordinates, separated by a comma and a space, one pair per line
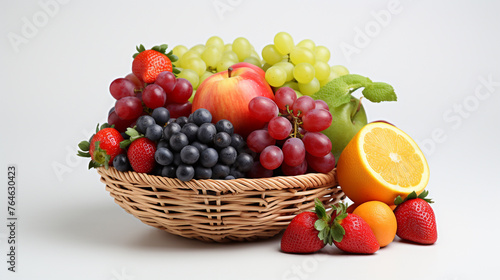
219, 210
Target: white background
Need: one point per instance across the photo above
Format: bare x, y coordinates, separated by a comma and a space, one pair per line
441, 57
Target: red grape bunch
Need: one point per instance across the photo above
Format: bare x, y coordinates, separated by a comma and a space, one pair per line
292, 138
135, 98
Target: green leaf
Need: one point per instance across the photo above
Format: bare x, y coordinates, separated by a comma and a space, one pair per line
338, 232
84, 146
83, 154
320, 225
355, 81
319, 209
338, 91
398, 200
125, 143
378, 92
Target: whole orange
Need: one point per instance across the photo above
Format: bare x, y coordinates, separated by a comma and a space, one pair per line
381, 219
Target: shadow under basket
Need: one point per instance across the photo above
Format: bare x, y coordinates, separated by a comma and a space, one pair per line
219, 210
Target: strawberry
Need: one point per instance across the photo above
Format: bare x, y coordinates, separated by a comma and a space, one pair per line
415, 218
103, 146
307, 232
148, 64
351, 233
141, 155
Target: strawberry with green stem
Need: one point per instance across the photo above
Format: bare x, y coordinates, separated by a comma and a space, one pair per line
148, 64
103, 146
352, 234
308, 232
140, 151
415, 218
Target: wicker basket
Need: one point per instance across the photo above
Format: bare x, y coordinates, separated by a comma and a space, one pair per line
219, 210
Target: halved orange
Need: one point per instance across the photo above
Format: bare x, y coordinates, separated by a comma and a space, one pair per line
380, 163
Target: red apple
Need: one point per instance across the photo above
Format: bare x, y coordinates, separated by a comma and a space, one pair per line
226, 95
250, 65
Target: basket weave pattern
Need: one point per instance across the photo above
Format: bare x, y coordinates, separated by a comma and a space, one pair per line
219, 210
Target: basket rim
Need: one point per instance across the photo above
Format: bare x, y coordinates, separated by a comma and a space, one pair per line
306, 181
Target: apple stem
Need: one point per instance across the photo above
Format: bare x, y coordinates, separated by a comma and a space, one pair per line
229, 71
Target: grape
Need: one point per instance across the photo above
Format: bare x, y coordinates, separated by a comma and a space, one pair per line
186, 56
128, 108
154, 132
164, 156
122, 87
229, 55
184, 172
229, 177
182, 121
271, 55
303, 105
224, 64
283, 43
168, 171
310, 88
228, 155
228, 47
271, 157
244, 162
120, 125
294, 152
191, 130
220, 171
154, 96
237, 142
179, 110
253, 60
302, 55
206, 133
204, 77
275, 76
321, 70
202, 172
121, 163
242, 48
339, 70
225, 126
288, 67
222, 140
211, 55
216, 42
317, 144
179, 50
263, 108
321, 164
202, 116
279, 128
195, 63
178, 141
293, 85
166, 80
307, 44
322, 53
257, 140
171, 129
181, 92
209, 157
198, 48
133, 78
320, 104
190, 154
161, 115
162, 144
258, 171
304, 72
191, 76
285, 96
316, 120
201, 147
294, 170
236, 173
